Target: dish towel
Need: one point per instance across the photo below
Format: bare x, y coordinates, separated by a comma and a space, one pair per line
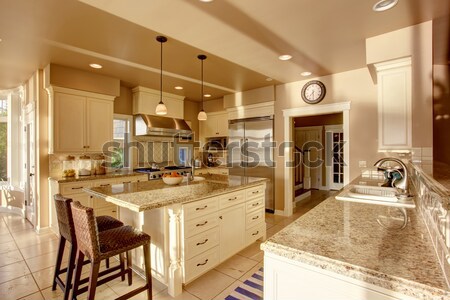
252, 288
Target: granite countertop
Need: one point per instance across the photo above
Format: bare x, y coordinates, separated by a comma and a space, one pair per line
345, 238
121, 173
146, 195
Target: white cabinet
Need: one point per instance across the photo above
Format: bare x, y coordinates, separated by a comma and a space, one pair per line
394, 104
231, 230
80, 121
145, 101
215, 125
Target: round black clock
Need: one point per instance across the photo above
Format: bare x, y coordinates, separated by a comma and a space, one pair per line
313, 92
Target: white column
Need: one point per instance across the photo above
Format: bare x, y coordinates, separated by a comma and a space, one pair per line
175, 275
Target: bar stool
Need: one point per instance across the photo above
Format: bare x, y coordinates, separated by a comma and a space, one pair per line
98, 245
67, 233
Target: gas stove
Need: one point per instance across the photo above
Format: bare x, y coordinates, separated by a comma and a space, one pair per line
154, 174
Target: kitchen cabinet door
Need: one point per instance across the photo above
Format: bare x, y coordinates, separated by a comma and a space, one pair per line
99, 117
222, 124
216, 125
231, 230
69, 122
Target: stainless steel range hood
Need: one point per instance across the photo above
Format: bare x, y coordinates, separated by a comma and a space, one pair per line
148, 125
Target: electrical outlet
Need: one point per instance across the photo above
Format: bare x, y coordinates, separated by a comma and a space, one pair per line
362, 164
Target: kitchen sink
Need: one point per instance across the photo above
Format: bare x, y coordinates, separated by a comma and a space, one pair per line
375, 195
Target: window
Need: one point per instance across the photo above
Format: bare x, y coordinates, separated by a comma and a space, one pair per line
3, 139
121, 135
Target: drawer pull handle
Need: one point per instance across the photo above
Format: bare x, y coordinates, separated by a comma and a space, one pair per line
201, 208
77, 188
255, 233
127, 181
255, 192
255, 204
105, 184
206, 222
113, 211
254, 218
206, 261
231, 199
202, 243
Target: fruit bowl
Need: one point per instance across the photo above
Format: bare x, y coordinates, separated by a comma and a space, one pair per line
172, 180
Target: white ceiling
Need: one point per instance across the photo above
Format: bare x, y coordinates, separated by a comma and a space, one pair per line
242, 39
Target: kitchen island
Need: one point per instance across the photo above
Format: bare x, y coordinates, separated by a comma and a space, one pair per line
348, 250
194, 225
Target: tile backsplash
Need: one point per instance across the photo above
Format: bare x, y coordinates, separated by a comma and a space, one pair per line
434, 205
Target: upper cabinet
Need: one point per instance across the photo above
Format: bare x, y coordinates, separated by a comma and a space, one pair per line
79, 121
145, 101
215, 125
394, 104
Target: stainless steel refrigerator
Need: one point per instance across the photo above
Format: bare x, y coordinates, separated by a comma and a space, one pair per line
250, 151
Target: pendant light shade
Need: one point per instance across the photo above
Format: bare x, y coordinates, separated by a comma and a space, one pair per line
202, 114
161, 108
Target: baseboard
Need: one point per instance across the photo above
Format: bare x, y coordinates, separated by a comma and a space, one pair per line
297, 187
279, 212
302, 197
43, 230
13, 210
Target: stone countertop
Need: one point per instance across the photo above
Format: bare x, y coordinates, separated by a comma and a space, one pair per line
146, 195
345, 238
118, 174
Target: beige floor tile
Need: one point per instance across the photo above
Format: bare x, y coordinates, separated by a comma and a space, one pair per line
253, 251
274, 230
209, 285
6, 247
228, 290
185, 295
10, 258
4, 230
19, 287
41, 248
32, 240
44, 277
274, 219
236, 266
102, 292
34, 296
13, 271
6, 238
45, 261
251, 271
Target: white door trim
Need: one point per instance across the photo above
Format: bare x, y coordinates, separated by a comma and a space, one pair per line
290, 113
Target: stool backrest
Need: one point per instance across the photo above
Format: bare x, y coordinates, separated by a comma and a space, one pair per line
86, 230
65, 219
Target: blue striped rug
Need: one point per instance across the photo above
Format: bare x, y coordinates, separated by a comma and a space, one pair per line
252, 288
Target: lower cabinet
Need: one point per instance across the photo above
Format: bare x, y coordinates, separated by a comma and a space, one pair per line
217, 228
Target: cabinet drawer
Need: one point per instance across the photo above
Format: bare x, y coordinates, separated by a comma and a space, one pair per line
103, 182
201, 224
254, 218
200, 208
251, 235
255, 192
201, 264
73, 188
108, 211
254, 204
230, 199
130, 179
201, 242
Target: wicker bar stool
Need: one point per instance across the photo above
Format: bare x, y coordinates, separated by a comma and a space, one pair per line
102, 245
67, 233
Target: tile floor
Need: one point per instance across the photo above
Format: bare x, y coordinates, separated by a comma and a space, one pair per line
27, 261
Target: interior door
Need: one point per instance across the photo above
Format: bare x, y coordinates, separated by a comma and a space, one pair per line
313, 174
30, 186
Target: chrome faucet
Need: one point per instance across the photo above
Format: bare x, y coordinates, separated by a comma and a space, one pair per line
401, 184
191, 176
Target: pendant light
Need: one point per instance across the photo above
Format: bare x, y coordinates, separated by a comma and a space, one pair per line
161, 108
202, 114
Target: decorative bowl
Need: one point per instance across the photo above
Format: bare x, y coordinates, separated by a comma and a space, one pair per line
172, 180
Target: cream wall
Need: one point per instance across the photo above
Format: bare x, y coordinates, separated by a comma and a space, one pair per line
191, 110
124, 103
212, 105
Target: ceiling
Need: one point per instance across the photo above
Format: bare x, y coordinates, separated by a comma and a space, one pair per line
242, 39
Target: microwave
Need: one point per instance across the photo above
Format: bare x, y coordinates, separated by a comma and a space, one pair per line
216, 143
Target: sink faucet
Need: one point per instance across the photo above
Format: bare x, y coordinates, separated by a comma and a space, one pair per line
402, 183
191, 176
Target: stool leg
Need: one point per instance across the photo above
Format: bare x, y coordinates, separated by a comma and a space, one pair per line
93, 280
62, 244
107, 263
129, 265
77, 275
70, 269
148, 270
122, 266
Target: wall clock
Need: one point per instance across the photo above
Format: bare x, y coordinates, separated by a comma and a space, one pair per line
313, 92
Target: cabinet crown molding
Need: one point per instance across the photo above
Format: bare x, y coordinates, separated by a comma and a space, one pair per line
392, 64
141, 89
64, 90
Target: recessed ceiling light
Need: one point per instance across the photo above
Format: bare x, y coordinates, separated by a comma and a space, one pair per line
95, 66
285, 57
269, 79
207, 95
383, 5
206, 1
178, 87
1, 40
305, 73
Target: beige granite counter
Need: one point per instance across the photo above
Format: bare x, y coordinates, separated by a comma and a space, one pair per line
345, 238
122, 173
141, 196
